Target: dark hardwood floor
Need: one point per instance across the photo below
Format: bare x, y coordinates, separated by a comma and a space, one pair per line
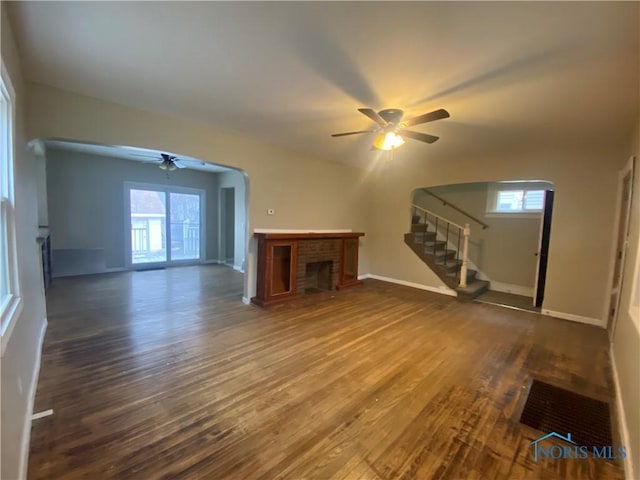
166, 374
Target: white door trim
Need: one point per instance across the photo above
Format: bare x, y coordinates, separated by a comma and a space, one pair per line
628, 169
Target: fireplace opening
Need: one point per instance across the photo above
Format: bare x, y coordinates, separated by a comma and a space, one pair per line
318, 277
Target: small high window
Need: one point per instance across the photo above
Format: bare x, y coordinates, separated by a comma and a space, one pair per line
516, 197
519, 201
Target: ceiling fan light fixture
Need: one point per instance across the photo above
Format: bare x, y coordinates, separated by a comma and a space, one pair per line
167, 164
388, 141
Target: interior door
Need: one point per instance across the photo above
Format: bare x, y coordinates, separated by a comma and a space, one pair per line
543, 249
624, 210
229, 224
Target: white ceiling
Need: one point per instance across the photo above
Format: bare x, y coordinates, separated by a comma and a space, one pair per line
131, 153
514, 76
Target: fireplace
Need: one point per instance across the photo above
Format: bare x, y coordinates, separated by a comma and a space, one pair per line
294, 264
318, 277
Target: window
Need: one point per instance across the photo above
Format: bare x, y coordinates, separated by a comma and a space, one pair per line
516, 197
519, 201
10, 303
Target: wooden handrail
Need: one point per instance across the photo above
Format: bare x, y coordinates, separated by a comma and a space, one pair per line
457, 209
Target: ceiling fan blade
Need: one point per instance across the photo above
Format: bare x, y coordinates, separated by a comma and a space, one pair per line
178, 164
352, 133
423, 137
427, 117
373, 116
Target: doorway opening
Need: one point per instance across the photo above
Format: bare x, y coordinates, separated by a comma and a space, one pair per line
115, 208
509, 225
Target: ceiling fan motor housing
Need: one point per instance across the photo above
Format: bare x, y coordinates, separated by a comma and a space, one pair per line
391, 115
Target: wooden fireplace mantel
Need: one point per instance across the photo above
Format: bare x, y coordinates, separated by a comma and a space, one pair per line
308, 235
283, 258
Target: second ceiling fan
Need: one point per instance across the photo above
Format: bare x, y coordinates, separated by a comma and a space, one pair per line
391, 128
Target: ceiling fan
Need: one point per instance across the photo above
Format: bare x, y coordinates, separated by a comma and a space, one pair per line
391, 128
169, 162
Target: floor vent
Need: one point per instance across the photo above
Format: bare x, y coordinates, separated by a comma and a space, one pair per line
553, 409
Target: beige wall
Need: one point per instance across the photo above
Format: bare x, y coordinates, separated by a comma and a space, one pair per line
626, 341
504, 252
19, 361
306, 193
585, 184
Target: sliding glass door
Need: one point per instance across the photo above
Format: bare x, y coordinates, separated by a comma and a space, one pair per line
185, 226
165, 224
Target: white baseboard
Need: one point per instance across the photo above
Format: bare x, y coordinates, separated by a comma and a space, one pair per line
443, 290
31, 397
245, 300
574, 318
622, 421
238, 269
511, 288
114, 270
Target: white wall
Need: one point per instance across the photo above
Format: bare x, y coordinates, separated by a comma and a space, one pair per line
236, 180
20, 360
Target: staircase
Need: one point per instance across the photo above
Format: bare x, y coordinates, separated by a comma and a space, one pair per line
442, 245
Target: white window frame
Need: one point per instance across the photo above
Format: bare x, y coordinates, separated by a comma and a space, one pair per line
495, 188
11, 305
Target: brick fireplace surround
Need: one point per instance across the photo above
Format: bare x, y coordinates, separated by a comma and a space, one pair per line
318, 250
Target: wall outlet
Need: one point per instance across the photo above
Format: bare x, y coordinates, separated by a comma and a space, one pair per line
271, 211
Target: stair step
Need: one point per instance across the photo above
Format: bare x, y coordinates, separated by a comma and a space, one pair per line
442, 256
431, 246
471, 275
453, 266
421, 237
473, 289
418, 227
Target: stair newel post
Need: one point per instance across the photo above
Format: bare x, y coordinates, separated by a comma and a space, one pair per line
465, 256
